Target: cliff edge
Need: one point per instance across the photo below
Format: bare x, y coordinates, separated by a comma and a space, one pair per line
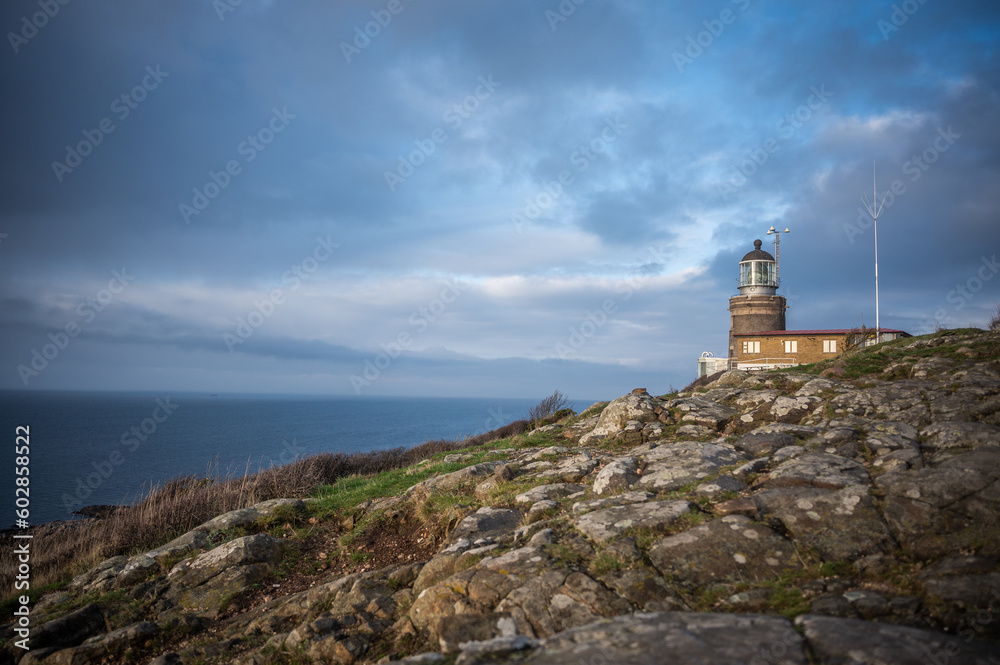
844, 512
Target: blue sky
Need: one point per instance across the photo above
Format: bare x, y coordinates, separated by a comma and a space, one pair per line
477, 199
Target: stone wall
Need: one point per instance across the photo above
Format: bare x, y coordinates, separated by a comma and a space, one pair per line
754, 314
810, 347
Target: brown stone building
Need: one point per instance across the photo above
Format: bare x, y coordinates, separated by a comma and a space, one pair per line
772, 348
757, 335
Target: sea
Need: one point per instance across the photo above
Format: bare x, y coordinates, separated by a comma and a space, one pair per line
99, 448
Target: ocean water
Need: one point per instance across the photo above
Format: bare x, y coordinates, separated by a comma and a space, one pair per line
105, 448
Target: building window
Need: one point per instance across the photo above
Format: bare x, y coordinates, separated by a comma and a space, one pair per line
751, 347
791, 346
829, 346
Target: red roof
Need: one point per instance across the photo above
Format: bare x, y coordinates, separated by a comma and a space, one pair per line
831, 331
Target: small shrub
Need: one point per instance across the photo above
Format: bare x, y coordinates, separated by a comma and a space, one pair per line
547, 407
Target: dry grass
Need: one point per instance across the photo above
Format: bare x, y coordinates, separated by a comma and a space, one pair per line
62, 550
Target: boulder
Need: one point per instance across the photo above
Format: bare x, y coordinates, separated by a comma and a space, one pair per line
487, 522
470, 475
840, 524
617, 476
547, 492
731, 548
609, 522
671, 466
759, 444
206, 583
835, 640
719, 485
618, 413
69, 630
570, 470
937, 510
959, 435
705, 412
793, 409
818, 470
678, 638
617, 500
260, 548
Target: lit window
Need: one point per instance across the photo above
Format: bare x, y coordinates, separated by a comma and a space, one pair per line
791, 346
751, 347
829, 346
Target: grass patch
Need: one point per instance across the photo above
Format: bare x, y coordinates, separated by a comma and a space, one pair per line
605, 563
594, 410
360, 557
539, 440
353, 490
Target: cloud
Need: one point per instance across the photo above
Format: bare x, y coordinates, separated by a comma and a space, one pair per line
631, 176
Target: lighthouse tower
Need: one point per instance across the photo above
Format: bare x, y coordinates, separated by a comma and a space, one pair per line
757, 308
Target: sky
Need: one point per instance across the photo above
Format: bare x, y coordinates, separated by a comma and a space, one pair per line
498, 198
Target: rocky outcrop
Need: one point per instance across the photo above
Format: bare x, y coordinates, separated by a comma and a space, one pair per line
778, 517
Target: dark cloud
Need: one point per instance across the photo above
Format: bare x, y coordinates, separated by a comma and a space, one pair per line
729, 118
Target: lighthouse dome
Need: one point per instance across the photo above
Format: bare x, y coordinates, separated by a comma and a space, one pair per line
757, 254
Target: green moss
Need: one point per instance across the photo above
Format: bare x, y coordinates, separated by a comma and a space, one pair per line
788, 602
605, 563
836, 569
360, 557
567, 554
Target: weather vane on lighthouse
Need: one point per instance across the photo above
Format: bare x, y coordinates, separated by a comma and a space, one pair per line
777, 258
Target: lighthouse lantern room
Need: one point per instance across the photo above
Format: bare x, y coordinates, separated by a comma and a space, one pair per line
758, 273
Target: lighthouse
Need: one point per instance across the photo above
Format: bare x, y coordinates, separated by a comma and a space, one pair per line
758, 307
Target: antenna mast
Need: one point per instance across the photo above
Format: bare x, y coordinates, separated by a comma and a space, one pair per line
874, 208
777, 244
